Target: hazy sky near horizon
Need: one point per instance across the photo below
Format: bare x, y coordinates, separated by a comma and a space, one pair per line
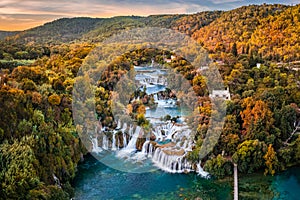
23, 14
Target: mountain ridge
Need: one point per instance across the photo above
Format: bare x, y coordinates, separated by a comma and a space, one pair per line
217, 31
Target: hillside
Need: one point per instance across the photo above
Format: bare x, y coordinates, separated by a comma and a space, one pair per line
96, 29
259, 30
58, 31
189, 24
88, 29
109, 26
235, 26
277, 37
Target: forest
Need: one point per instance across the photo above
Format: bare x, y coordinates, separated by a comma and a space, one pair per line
256, 49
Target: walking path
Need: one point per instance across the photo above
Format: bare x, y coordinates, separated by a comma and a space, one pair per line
235, 182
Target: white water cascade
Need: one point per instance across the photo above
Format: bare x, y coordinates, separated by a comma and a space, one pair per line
171, 148
96, 147
131, 146
171, 162
148, 148
201, 172
172, 142
113, 146
124, 135
168, 152
104, 142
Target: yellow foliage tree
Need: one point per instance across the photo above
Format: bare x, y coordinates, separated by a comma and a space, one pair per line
54, 99
271, 161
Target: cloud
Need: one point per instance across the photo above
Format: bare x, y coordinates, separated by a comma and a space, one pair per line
96, 7
224, 1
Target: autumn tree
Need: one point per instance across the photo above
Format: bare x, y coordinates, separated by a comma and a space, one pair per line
257, 119
271, 161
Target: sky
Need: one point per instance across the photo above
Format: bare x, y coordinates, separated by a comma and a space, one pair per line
24, 14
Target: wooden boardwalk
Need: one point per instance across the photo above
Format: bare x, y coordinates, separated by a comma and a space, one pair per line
236, 186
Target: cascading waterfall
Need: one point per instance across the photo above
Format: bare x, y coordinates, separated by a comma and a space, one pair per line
130, 132
132, 142
171, 163
124, 135
104, 142
113, 146
169, 156
96, 147
150, 149
131, 146
201, 172
171, 144
145, 147
155, 97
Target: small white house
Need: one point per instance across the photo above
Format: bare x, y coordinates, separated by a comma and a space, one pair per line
224, 94
258, 65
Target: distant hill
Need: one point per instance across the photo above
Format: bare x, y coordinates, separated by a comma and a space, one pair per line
262, 30
58, 31
96, 29
4, 34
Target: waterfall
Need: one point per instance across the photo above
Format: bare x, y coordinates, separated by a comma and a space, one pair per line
201, 172
155, 97
145, 147
171, 163
172, 141
132, 142
104, 142
124, 140
170, 158
131, 146
113, 146
124, 127
150, 152
124, 135
96, 148
130, 130
157, 133
168, 128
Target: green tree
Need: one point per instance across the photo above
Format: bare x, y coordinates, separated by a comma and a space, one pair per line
218, 166
249, 155
18, 172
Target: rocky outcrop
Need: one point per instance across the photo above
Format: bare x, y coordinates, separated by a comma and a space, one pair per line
139, 143
174, 152
152, 137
